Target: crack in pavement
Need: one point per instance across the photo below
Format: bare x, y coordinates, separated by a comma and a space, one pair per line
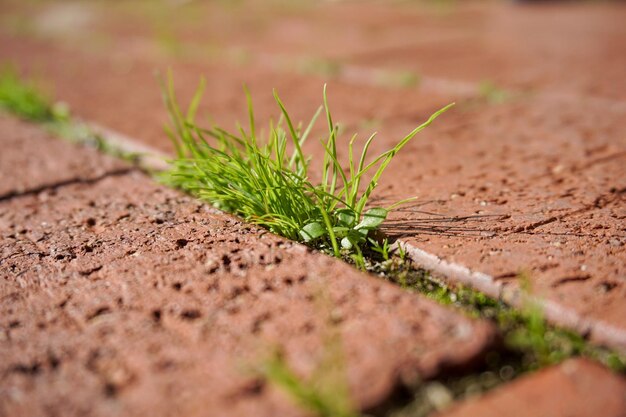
60, 184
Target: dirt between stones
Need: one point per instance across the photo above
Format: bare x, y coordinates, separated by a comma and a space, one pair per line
120, 296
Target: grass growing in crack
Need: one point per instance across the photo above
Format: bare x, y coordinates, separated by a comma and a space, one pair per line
266, 180
325, 392
320, 394
528, 342
525, 332
25, 100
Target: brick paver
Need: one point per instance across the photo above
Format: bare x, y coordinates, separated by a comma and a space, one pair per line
576, 388
122, 296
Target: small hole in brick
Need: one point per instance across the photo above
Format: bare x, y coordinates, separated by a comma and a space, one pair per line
156, 315
181, 243
253, 388
110, 390
53, 360
191, 314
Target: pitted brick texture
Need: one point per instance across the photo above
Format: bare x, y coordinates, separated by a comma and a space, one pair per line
123, 297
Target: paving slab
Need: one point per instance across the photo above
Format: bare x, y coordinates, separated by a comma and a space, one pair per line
576, 388
122, 297
531, 188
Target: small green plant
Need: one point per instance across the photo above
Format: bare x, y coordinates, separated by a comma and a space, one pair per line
266, 181
530, 341
320, 67
325, 393
398, 79
381, 248
493, 94
24, 99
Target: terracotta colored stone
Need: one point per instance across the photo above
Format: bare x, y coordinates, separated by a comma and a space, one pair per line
546, 201
576, 388
124, 297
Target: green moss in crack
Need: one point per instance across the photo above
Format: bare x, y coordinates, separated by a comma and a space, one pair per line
525, 333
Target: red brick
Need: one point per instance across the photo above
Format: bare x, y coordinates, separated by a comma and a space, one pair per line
576, 388
123, 296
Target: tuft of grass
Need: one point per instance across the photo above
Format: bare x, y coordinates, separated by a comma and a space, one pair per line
25, 100
266, 181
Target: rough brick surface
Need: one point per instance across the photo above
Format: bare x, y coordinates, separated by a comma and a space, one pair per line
542, 192
122, 297
576, 388
23, 170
